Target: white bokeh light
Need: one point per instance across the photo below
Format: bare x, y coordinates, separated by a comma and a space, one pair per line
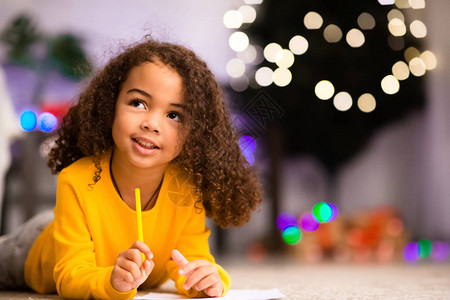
355, 38
232, 19
390, 85
284, 58
343, 101
313, 20
238, 41
264, 76
298, 45
418, 29
429, 59
248, 13
400, 70
271, 51
282, 77
324, 90
417, 67
235, 68
397, 27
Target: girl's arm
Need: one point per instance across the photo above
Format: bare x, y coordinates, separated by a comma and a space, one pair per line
193, 244
76, 273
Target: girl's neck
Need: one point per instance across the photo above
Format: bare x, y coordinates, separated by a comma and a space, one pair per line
127, 178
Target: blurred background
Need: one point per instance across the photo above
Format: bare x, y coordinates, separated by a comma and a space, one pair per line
342, 110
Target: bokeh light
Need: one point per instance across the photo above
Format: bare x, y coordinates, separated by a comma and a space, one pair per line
239, 84
332, 33
417, 67
411, 252
238, 41
324, 90
400, 70
395, 14
235, 68
410, 53
28, 120
334, 210
285, 220
390, 85
386, 2
366, 21
47, 122
248, 147
367, 103
424, 248
309, 223
418, 29
355, 38
313, 20
417, 4
322, 211
402, 3
440, 250
429, 59
343, 101
282, 77
298, 45
284, 58
264, 76
232, 19
271, 51
249, 55
291, 235
248, 13
397, 27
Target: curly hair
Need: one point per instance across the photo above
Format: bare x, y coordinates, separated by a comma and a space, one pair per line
228, 187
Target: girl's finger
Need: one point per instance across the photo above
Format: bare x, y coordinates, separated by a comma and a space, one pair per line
215, 290
190, 267
198, 275
131, 267
178, 258
206, 283
144, 248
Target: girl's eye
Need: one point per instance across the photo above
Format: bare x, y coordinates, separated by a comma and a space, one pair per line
137, 103
174, 116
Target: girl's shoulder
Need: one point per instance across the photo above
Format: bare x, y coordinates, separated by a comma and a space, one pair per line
82, 168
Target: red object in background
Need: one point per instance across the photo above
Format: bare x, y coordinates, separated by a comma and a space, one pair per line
58, 109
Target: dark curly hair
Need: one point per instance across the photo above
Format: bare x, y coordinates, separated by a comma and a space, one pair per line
210, 155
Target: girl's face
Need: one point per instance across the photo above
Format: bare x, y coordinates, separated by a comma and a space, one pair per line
148, 115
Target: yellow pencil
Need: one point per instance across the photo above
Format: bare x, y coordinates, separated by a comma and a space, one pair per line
139, 218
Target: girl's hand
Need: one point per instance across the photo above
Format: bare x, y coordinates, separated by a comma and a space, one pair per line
200, 274
129, 272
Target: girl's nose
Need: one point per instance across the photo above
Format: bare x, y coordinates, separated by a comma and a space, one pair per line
150, 126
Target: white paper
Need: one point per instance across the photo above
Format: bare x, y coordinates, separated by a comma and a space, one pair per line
232, 294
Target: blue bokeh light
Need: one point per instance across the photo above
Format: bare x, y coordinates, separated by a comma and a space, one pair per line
28, 120
47, 122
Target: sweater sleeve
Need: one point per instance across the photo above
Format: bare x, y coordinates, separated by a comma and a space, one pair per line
76, 273
193, 244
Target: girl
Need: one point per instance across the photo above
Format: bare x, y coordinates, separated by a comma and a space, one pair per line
153, 119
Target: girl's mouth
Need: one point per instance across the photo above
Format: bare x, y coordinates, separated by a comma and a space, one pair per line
145, 144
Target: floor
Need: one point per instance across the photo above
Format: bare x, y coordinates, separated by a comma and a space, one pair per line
330, 281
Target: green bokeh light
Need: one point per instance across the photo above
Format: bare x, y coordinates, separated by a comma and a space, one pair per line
322, 212
424, 248
291, 235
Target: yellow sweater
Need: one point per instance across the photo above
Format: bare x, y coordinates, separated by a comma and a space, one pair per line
76, 253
